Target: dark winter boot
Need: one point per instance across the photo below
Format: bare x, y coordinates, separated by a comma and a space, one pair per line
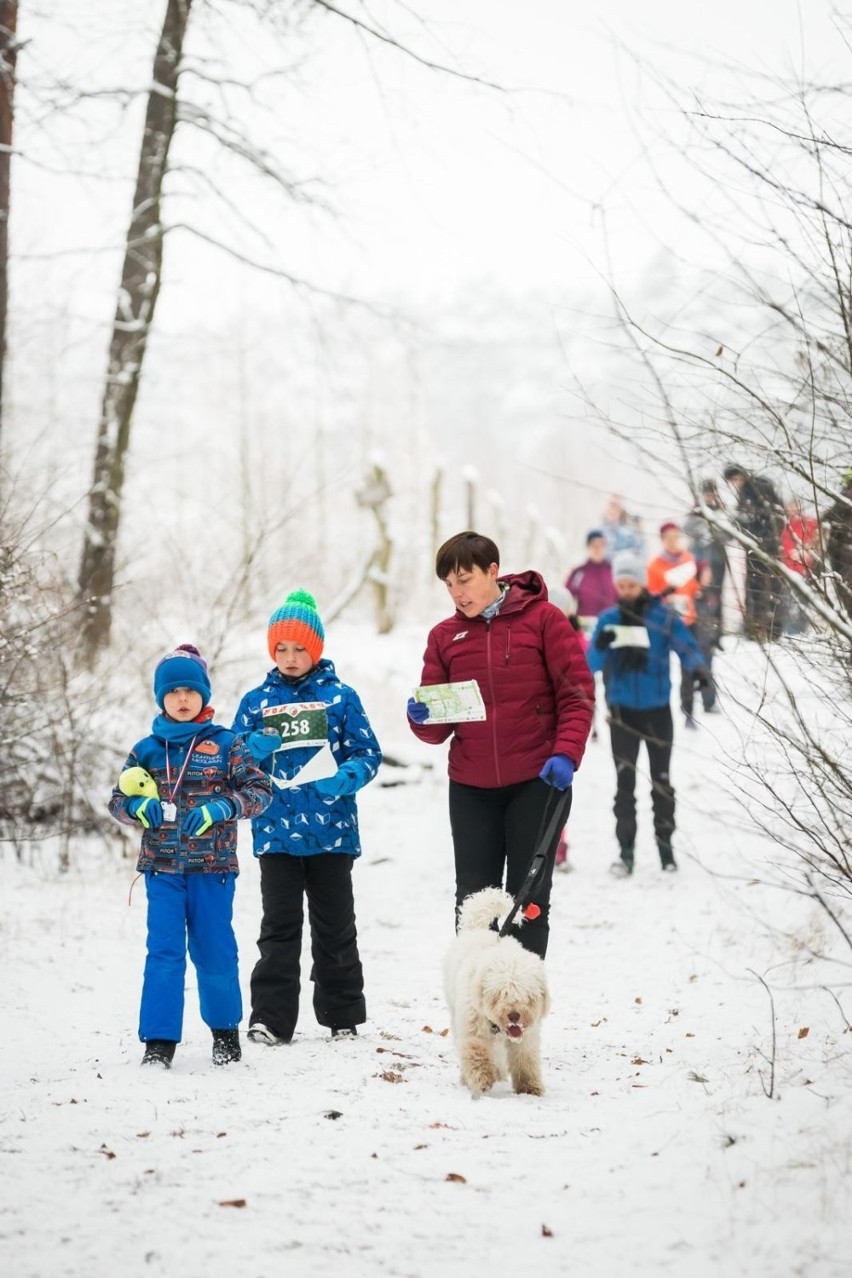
344, 1031
159, 1051
667, 860
623, 867
226, 1046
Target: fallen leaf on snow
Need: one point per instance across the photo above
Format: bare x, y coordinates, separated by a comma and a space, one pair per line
457, 1177
333, 1113
638, 1060
391, 1076
546, 1232
232, 1202
637, 1000
804, 1031
107, 1153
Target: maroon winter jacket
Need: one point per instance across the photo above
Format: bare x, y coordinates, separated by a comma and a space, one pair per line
534, 680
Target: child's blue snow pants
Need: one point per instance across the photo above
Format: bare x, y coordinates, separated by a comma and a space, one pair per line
198, 907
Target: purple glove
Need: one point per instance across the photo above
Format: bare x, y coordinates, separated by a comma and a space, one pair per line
558, 771
418, 711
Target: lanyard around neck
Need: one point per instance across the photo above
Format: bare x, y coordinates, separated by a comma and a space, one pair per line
173, 790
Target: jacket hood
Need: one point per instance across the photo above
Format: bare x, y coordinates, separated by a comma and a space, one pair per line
524, 588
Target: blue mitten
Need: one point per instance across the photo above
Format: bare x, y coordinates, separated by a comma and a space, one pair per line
558, 771
148, 812
199, 820
343, 782
418, 711
262, 744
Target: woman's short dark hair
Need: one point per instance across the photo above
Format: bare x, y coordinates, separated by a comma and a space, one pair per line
466, 550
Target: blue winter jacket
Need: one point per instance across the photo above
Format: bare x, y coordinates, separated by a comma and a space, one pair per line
650, 688
220, 766
299, 820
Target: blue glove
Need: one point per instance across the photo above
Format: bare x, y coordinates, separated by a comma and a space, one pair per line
199, 820
418, 711
148, 812
558, 771
262, 744
343, 782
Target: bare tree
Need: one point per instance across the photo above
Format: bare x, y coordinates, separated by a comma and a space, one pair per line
137, 299
754, 369
8, 68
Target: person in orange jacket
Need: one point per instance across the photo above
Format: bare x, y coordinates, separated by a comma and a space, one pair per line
673, 575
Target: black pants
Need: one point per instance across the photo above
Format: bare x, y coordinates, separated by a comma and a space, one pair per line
628, 730
687, 677
326, 880
497, 831
763, 606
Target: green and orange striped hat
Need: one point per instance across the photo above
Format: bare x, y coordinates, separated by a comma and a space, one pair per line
297, 621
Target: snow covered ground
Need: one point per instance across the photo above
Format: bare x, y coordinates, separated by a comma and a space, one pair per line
655, 1150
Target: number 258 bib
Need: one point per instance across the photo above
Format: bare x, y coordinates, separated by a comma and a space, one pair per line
303, 723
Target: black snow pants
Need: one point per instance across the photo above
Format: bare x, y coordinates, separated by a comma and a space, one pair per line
628, 730
326, 880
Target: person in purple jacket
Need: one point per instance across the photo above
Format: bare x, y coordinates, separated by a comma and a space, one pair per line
591, 583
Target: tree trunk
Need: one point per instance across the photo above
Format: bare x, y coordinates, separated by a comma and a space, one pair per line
134, 313
8, 64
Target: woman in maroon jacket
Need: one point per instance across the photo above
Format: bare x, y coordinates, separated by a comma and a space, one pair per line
539, 696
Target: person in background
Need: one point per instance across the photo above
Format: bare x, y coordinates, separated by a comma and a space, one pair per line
621, 531
707, 630
799, 548
567, 604
839, 546
184, 787
673, 576
707, 542
632, 643
510, 774
591, 582
308, 840
761, 515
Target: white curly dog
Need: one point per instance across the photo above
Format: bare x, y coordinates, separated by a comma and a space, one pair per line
497, 995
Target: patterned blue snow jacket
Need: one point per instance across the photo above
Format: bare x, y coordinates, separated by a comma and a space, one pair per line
308, 712
652, 687
220, 767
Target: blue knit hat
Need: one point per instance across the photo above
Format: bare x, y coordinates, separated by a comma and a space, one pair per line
297, 621
183, 668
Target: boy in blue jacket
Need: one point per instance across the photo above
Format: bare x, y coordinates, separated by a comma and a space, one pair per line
307, 840
185, 785
632, 644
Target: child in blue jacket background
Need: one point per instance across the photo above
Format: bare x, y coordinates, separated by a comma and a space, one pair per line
307, 839
632, 644
201, 778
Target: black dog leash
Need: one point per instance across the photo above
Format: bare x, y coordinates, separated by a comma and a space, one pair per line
559, 815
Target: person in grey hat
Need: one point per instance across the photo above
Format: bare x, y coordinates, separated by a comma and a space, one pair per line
632, 644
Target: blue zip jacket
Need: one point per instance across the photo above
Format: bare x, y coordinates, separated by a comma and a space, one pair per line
220, 766
316, 708
650, 688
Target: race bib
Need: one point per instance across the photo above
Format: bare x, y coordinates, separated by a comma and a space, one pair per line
299, 724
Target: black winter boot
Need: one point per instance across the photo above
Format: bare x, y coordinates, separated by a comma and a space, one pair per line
667, 861
159, 1051
226, 1046
623, 867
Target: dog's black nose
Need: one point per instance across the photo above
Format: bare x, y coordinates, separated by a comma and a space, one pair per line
514, 1016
